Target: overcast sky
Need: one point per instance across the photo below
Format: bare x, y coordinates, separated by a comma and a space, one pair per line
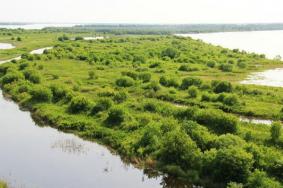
142, 11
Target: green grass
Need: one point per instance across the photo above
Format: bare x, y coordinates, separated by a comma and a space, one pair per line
3, 184
155, 120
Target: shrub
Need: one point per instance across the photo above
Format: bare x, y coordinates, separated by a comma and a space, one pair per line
180, 150
102, 105
79, 104
261, 180
130, 74
184, 68
222, 86
145, 77
242, 65
169, 52
32, 76
91, 74
120, 97
12, 77
168, 82
227, 140
217, 120
275, 131
231, 100
226, 67
199, 134
193, 91
59, 92
153, 86
125, 82
116, 116
190, 81
211, 64
232, 164
41, 94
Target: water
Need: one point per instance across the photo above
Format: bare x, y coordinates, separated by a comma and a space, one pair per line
261, 42
35, 26
6, 46
40, 51
42, 157
256, 121
93, 38
37, 51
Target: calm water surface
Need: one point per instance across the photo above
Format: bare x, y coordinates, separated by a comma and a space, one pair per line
42, 157
5, 46
269, 43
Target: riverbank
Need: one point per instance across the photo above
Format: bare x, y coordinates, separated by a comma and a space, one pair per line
124, 97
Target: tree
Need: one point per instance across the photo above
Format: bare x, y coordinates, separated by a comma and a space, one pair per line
275, 131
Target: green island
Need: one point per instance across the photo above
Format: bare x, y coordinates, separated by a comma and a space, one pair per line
162, 102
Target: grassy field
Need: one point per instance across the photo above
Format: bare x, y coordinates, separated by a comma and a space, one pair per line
26, 41
3, 184
164, 102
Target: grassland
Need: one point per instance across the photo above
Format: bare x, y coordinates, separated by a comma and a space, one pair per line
163, 102
3, 184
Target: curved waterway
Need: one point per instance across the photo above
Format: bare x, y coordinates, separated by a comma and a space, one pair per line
37, 51
6, 46
42, 157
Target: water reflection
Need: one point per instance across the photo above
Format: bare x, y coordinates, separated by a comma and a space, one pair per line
71, 146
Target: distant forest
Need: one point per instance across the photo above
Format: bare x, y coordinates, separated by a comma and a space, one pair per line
120, 29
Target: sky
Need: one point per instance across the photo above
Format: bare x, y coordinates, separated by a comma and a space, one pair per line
142, 11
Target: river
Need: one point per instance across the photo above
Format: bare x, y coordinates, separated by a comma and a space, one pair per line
33, 156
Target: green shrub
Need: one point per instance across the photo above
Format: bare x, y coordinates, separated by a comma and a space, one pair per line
222, 86
228, 140
180, 150
102, 105
41, 94
275, 131
116, 116
91, 74
12, 77
232, 164
190, 81
226, 67
261, 180
168, 82
169, 52
145, 77
193, 92
211, 64
59, 92
217, 120
79, 104
32, 76
120, 97
125, 82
